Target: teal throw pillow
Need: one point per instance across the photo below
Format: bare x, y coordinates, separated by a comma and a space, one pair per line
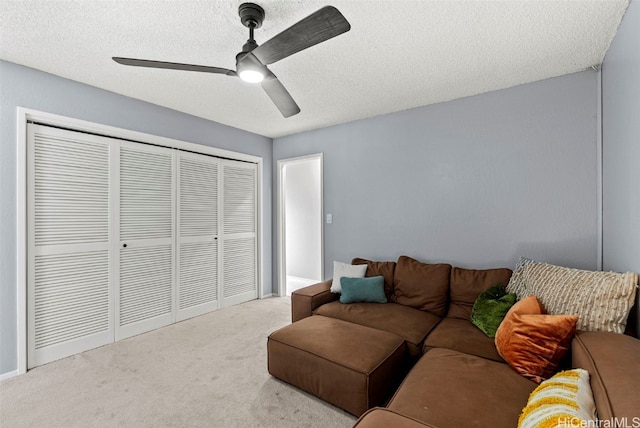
356, 290
490, 308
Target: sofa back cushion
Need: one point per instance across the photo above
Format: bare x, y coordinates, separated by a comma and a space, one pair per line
384, 269
421, 285
466, 286
462, 336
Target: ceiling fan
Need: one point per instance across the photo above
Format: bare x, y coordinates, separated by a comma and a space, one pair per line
251, 63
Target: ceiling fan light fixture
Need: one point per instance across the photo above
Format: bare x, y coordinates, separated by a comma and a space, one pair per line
249, 68
251, 76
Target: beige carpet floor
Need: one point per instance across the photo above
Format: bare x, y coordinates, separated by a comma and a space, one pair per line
209, 371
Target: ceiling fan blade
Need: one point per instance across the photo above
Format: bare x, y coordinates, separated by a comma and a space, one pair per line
279, 95
173, 66
322, 25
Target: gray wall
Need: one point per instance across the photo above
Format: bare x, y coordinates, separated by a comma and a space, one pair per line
476, 182
25, 87
621, 148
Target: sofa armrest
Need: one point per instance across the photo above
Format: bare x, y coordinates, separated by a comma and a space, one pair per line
612, 362
305, 300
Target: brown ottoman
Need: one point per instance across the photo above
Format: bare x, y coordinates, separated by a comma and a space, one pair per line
349, 365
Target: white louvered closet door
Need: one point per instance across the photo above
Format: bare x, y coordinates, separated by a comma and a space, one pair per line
146, 257
239, 237
68, 278
197, 258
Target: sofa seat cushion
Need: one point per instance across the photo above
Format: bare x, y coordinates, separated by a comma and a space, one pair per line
467, 284
380, 417
461, 335
447, 388
409, 323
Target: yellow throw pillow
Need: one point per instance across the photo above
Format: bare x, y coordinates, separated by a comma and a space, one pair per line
564, 400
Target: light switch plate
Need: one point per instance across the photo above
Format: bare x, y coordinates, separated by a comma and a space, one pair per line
329, 218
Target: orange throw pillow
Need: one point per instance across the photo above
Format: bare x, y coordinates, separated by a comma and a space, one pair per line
532, 342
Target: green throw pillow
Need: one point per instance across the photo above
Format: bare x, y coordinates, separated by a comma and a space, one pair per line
490, 308
356, 290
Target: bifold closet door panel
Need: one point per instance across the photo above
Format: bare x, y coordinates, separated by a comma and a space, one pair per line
239, 234
69, 296
197, 259
146, 257
124, 237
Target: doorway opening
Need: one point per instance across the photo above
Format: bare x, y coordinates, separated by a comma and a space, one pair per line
300, 227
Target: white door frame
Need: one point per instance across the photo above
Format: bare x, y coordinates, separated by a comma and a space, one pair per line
281, 237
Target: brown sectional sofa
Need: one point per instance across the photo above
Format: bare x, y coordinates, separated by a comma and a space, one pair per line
458, 379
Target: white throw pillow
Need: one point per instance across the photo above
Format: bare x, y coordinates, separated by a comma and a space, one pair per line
345, 270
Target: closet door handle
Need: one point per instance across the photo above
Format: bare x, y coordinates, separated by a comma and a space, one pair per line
124, 245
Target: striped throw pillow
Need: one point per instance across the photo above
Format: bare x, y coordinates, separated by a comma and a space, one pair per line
601, 300
564, 400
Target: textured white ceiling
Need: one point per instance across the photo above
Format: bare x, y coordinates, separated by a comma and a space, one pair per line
398, 54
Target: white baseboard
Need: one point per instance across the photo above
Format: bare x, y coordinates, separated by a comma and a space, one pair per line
8, 375
266, 296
